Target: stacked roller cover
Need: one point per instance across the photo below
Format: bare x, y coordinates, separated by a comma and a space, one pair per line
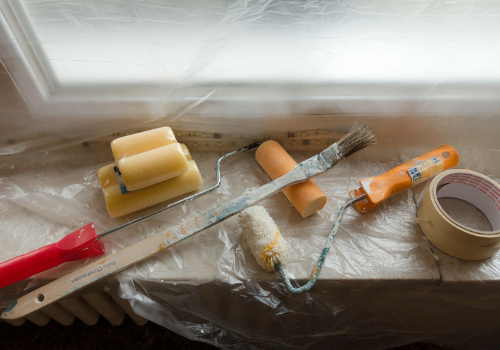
154, 167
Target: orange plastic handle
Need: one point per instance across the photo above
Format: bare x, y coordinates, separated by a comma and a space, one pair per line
405, 176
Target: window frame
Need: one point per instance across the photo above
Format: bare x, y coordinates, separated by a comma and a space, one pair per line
49, 103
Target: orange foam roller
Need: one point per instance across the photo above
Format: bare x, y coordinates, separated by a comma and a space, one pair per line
306, 197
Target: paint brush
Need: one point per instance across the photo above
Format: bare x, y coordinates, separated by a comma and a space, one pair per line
358, 138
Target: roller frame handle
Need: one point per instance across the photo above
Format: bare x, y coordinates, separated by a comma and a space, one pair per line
405, 176
76, 245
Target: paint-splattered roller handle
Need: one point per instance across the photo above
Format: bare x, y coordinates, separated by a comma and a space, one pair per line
77, 245
405, 176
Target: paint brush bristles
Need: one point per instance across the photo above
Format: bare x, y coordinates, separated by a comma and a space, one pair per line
359, 137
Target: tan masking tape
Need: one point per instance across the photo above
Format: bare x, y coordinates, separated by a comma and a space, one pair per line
446, 233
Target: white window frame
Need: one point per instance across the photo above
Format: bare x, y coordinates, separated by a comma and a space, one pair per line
47, 102
51, 104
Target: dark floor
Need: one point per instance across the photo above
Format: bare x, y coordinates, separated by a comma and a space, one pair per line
104, 336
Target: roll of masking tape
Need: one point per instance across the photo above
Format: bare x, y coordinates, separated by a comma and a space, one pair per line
446, 233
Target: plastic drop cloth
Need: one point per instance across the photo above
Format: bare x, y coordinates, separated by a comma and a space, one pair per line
418, 74
381, 284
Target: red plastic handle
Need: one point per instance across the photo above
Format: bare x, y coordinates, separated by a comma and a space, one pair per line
77, 245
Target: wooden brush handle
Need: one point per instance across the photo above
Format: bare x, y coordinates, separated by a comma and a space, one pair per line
102, 268
151, 246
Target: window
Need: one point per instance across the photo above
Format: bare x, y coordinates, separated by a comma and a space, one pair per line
105, 57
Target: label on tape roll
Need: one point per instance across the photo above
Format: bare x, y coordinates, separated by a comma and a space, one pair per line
483, 193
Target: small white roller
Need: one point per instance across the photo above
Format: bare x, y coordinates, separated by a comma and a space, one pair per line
263, 237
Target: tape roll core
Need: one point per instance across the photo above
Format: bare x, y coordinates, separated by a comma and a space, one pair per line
446, 233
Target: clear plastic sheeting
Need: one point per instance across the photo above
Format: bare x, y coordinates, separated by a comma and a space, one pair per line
88, 69
382, 283
419, 74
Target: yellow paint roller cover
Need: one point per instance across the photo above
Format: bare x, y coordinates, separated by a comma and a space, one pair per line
122, 204
107, 176
154, 166
306, 197
130, 145
185, 150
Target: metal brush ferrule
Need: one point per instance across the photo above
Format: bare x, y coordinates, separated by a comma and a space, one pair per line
331, 156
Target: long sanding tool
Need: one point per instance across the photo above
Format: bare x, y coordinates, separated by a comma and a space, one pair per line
85, 242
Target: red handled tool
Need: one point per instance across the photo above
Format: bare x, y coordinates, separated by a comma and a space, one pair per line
75, 246
83, 243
